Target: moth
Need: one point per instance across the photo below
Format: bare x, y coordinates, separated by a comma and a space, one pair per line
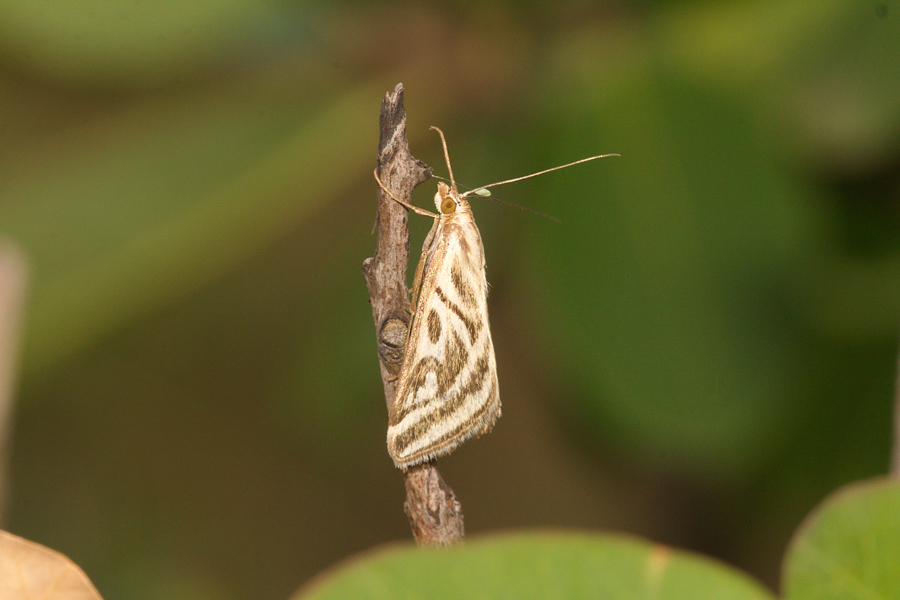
447, 389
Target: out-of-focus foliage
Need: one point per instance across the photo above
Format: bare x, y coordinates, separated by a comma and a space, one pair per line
100, 43
848, 548
699, 352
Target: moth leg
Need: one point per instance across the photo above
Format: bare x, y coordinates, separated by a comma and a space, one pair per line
415, 209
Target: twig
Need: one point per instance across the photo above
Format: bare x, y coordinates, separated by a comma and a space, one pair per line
434, 513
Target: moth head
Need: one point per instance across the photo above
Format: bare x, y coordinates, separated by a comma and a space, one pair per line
446, 200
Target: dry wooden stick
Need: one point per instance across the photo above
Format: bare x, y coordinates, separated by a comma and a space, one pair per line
434, 513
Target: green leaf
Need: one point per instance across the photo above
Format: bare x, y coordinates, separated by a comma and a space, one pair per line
536, 565
849, 547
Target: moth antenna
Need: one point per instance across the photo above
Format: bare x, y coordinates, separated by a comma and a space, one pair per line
447, 158
477, 191
525, 208
571, 164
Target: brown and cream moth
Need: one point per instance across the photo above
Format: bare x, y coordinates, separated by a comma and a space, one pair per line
447, 390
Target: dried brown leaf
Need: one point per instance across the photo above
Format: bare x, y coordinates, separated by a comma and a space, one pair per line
29, 571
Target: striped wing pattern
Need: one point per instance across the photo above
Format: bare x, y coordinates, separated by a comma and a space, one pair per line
447, 390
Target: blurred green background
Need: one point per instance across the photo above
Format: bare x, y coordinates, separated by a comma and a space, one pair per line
698, 353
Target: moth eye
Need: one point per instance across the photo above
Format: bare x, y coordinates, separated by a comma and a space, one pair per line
448, 205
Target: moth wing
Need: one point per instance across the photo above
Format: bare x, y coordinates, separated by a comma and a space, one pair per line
447, 390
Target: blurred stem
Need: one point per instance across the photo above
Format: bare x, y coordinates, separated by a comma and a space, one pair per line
434, 513
13, 280
895, 457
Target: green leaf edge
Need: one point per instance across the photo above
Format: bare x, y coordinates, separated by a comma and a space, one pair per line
835, 502
664, 568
